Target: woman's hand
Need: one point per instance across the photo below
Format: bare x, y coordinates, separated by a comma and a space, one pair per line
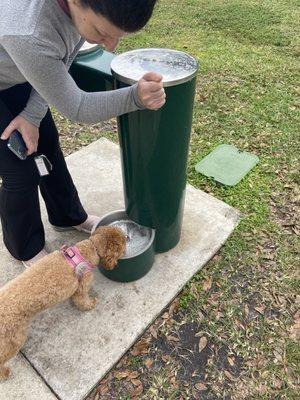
151, 92
29, 132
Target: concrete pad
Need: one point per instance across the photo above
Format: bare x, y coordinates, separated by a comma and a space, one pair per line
24, 383
73, 350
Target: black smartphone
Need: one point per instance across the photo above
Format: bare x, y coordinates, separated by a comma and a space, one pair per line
17, 145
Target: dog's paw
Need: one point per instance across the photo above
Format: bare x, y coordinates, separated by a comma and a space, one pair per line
87, 305
4, 373
91, 303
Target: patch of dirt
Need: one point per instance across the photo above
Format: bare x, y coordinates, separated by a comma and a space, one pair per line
286, 208
172, 357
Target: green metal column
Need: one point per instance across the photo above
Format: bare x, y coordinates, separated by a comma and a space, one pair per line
154, 150
91, 70
154, 144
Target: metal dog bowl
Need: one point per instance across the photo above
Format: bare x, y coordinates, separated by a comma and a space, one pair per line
139, 255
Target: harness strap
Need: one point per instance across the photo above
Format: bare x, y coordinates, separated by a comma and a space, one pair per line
79, 264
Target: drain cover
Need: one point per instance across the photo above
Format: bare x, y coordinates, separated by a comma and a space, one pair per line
227, 165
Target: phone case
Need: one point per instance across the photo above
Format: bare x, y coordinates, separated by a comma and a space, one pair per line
17, 145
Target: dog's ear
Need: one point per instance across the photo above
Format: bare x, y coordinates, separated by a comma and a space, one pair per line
114, 250
109, 262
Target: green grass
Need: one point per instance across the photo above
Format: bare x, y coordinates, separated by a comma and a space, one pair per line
247, 95
238, 19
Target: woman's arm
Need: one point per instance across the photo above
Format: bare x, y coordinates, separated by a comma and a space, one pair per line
36, 106
35, 109
42, 67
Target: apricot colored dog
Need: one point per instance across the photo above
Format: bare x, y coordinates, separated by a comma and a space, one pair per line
48, 282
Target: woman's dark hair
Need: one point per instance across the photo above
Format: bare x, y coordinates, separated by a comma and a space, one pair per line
128, 15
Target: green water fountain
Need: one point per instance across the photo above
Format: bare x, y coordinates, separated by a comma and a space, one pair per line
154, 150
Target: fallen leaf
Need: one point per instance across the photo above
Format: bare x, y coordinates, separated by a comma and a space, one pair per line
172, 338
278, 355
104, 381
229, 376
133, 375
136, 382
174, 306
260, 309
121, 374
231, 361
218, 315
238, 323
153, 332
200, 316
289, 372
246, 310
148, 362
214, 297
207, 284
200, 386
202, 343
142, 347
120, 364
103, 389
173, 381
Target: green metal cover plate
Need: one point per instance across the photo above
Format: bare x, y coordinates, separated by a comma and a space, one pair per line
98, 60
227, 164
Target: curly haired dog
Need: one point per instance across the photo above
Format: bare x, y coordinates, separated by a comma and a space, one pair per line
48, 282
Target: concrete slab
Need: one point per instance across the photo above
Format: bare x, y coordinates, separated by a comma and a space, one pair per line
24, 383
72, 350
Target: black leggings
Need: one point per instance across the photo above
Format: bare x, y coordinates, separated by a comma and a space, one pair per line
23, 232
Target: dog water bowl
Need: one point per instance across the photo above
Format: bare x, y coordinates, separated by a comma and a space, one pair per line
139, 255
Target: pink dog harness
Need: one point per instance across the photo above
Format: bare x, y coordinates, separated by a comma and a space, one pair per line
79, 264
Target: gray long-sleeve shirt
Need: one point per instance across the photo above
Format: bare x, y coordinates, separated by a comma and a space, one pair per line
38, 43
